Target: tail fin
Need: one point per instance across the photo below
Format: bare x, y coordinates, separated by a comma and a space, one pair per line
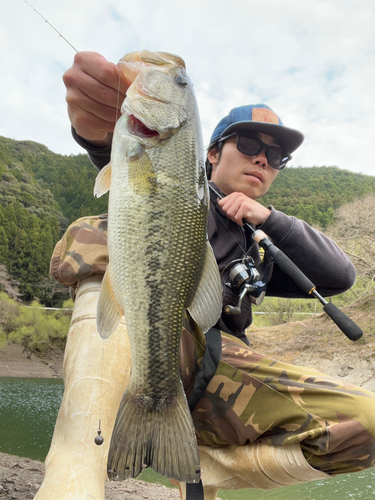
162, 438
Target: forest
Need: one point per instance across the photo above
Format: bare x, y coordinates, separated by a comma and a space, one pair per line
42, 192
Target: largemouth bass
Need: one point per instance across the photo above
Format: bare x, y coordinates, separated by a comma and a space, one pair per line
160, 262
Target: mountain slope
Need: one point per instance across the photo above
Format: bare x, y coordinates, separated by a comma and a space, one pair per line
41, 192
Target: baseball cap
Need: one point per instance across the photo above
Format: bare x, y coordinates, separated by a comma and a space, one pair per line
258, 118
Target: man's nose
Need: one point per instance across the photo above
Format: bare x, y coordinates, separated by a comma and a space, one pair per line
261, 159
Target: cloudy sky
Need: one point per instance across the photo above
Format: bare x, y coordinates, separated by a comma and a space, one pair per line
313, 62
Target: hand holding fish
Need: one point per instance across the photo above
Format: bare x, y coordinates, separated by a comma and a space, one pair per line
238, 206
96, 89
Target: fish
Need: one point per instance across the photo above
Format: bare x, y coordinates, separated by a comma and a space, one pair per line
160, 262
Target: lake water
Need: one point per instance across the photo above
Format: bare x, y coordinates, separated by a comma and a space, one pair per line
28, 411
29, 407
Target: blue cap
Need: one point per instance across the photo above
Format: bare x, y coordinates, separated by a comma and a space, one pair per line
258, 118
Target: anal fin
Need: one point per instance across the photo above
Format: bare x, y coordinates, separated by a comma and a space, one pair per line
207, 303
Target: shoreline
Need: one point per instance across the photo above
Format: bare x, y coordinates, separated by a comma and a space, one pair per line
21, 478
299, 343
15, 363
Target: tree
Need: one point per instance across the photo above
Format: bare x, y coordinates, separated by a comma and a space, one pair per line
8, 314
354, 231
4, 247
36, 329
8, 285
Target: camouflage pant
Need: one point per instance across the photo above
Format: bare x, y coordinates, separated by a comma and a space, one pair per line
252, 397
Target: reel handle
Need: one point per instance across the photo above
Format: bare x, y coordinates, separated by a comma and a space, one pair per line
236, 311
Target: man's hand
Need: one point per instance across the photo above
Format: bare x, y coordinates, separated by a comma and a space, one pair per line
96, 89
238, 206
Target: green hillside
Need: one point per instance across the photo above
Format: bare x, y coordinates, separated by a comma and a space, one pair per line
314, 193
42, 192
70, 179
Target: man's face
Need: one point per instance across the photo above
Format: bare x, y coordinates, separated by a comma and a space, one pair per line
237, 172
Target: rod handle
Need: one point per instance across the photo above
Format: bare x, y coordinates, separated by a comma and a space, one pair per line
346, 325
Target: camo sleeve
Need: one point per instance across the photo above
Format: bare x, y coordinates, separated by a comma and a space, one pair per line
81, 252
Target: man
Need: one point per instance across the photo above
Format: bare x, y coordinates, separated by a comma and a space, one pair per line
247, 150
260, 423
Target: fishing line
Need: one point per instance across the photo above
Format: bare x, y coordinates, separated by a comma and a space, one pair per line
118, 96
45, 20
99, 438
235, 239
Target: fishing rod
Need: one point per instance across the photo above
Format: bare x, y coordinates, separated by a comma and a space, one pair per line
46, 21
346, 325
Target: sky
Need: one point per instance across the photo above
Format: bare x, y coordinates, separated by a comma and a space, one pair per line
312, 62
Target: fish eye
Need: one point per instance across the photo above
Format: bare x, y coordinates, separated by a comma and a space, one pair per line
180, 80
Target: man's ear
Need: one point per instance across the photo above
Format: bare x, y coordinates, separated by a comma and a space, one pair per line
213, 155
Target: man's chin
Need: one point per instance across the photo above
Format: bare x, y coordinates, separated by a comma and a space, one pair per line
253, 193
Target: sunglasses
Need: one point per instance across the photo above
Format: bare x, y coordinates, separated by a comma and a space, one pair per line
251, 145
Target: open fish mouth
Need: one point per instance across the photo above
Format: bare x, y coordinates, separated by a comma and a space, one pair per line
138, 128
156, 97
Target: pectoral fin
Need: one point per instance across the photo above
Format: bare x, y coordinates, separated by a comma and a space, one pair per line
108, 312
142, 178
103, 181
207, 303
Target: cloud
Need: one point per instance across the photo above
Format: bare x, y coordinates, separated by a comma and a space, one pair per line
312, 62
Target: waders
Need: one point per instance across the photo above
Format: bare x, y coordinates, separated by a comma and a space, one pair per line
96, 373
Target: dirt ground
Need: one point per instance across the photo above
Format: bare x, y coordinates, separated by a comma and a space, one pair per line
14, 363
319, 344
20, 478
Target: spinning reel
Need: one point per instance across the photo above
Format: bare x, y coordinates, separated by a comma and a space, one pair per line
242, 276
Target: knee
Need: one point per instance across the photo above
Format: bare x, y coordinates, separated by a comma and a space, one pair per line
353, 440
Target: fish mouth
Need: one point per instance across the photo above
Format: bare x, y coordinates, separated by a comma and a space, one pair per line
138, 128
